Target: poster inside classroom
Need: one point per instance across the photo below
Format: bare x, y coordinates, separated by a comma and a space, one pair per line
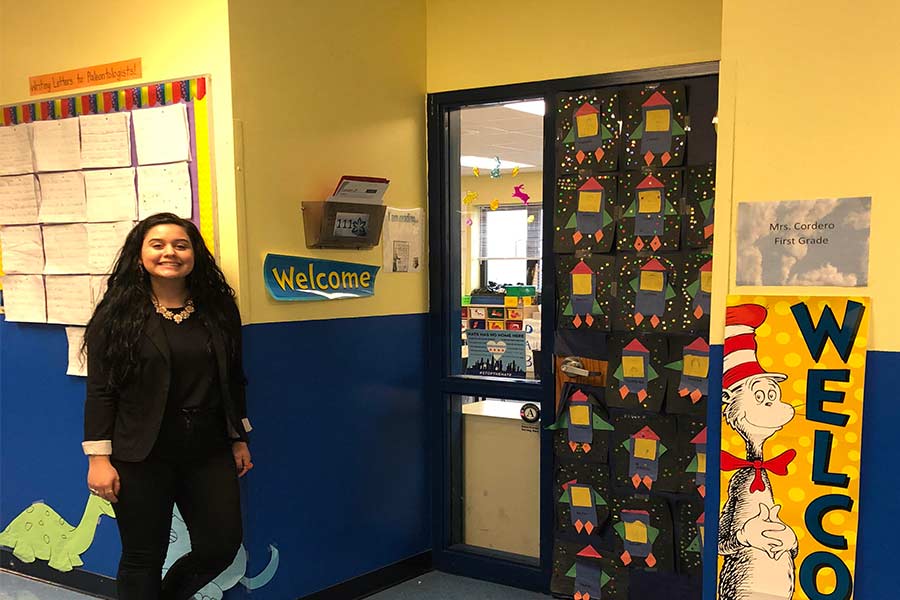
77, 172
793, 378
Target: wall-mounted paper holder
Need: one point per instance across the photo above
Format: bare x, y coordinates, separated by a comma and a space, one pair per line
342, 224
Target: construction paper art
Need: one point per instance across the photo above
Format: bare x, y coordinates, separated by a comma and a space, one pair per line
587, 570
587, 132
651, 219
582, 425
689, 546
584, 291
692, 450
644, 536
519, 192
700, 196
582, 507
792, 400
648, 294
584, 214
688, 375
635, 380
654, 120
697, 291
645, 453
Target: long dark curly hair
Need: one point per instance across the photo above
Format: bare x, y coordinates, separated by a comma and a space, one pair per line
121, 315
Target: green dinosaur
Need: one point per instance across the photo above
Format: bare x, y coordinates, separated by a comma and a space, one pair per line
39, 532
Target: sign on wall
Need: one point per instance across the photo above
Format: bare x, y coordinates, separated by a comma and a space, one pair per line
804, 242
83, 77
792, 393
496, 353
297, 278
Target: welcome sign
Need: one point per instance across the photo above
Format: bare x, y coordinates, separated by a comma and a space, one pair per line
297, 278
792, 407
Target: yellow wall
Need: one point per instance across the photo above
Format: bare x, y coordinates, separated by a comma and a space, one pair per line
174, 39
808, 109
324, 89
472, 43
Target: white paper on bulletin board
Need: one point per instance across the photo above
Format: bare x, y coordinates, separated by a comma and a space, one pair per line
402, 247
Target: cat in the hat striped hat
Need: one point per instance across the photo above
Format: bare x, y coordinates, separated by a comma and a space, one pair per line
758, 547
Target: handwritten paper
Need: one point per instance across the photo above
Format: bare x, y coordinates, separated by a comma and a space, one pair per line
15, 150
161, 134
104, 242
24, 299
56, 145
164, 188
20, 200
62, 198
66, 249
23, 249
77, 357
110, 195
98, 289
105, 140
68, 299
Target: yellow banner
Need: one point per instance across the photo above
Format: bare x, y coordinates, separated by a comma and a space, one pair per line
85, 77
792, 405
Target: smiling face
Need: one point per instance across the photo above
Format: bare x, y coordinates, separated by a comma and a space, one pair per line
167, 252
754, 407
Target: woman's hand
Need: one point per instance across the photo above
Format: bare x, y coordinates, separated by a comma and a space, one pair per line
241, 457
103, 479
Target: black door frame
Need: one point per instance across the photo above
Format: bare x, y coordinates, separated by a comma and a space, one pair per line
445, 316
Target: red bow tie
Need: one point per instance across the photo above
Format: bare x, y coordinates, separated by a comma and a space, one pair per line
777, 465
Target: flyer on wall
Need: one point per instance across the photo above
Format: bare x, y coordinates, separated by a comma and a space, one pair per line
402, 243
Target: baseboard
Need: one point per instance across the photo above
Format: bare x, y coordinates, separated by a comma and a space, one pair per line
76, 579
376, 581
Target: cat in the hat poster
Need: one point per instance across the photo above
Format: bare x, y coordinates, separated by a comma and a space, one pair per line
792, 391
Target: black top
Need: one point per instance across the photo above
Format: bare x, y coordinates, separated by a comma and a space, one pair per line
194, 382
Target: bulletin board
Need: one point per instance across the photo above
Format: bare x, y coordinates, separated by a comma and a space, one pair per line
143, 104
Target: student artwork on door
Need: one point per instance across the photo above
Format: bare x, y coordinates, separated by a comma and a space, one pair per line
584, 218
588, 133
691, 520
581, 430
692, 455
582, 508
635, 380
700, 197
649, 297
687, 375
584, 570
790, 471
651, 219
654, 120
584, 291
645, 453
697, 291
643, 530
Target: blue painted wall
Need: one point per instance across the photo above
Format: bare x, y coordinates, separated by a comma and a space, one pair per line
339, 485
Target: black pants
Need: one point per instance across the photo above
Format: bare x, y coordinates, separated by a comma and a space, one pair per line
191, 465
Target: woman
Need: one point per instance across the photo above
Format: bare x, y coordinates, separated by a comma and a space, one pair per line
165, 415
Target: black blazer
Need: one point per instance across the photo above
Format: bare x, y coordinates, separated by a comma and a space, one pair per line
131, 417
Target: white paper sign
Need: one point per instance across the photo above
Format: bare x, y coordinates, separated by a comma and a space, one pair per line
66, 249
77, 357
104, 242
161, 134
62, 197
110, 195
68, 299
402, 247
56, 145
15, 150
24, 299
164, 188
23, 249
98, 289
20, 200
105, 140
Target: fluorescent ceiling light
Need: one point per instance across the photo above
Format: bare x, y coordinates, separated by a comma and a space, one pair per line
489, 162
534, 107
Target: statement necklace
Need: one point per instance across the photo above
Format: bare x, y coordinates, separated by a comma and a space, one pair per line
183, 315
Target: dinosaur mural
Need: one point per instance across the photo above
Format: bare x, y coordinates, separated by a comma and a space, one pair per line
39, 532
180, 544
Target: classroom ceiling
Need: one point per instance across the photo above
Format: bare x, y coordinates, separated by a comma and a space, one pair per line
490, 131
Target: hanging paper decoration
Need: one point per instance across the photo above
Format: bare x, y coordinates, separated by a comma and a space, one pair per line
495, 172
583, 288
468, 221
515, 170
584, 213
470, 197
588, 132
654, 118
634, 379
582, 425
476, 171
688, 375
700, 193
651, 220
585, 571
519, 192
530, 219
495, 204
